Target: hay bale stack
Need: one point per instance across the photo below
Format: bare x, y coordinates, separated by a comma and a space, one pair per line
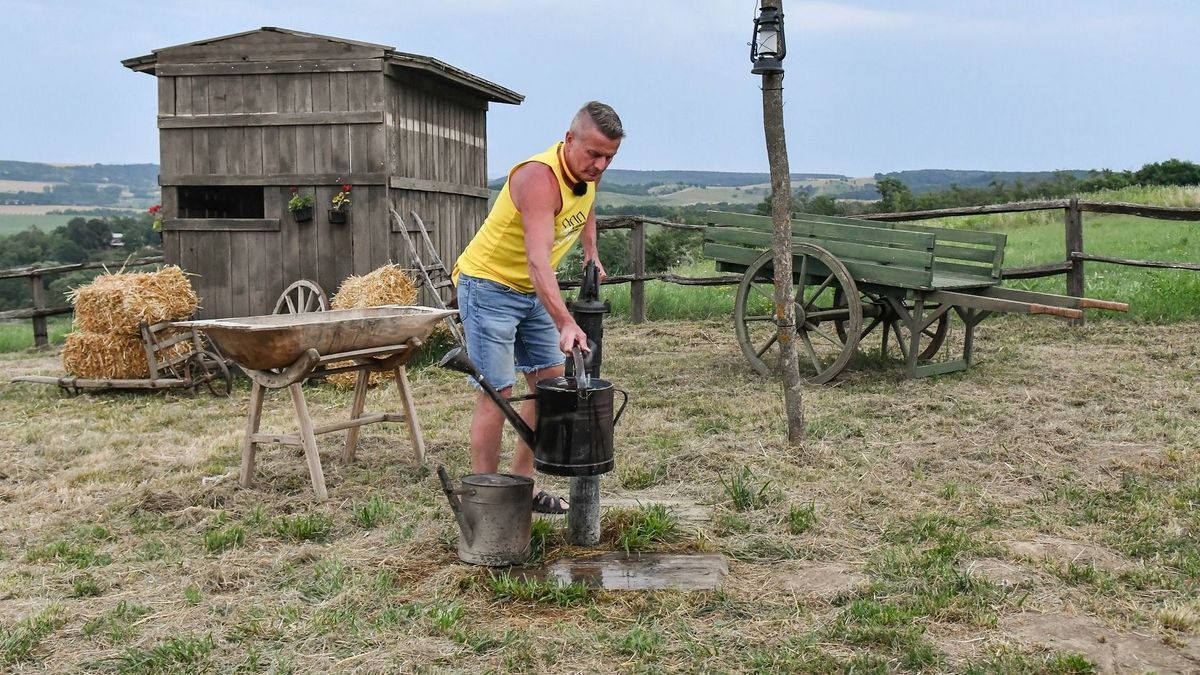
117, 303
109, 356
107, 343
388, 285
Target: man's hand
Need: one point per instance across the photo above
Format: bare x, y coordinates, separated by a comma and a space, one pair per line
571, 336
600, 273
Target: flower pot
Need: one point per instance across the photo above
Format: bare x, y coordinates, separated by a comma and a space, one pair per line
338, 217
302, 214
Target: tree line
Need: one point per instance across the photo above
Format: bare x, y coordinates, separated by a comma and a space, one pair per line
82, 239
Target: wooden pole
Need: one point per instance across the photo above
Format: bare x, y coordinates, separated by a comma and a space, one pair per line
781, 243
637, 288
37, 288
1074, 231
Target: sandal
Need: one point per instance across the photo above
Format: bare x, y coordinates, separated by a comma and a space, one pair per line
544, 502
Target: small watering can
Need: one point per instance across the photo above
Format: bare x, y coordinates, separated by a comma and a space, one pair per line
574, 434
494, 513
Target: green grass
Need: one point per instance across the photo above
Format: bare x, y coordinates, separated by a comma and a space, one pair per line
12, 223
645, 527
176, 654
17, 641
507, 588
744, 491
17, 335
309, 527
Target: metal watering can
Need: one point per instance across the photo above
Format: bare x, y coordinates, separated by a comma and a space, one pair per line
574, 435
494, 513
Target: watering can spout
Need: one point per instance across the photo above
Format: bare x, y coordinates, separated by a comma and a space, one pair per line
456, 506
456, 359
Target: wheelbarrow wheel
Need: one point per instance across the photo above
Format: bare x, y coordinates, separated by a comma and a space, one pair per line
825, 298
208, 369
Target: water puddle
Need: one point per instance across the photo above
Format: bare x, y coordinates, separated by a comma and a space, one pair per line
633, 572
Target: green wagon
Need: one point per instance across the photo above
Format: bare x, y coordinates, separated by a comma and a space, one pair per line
854, 276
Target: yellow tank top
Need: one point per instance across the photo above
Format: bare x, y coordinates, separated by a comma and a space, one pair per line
497, 251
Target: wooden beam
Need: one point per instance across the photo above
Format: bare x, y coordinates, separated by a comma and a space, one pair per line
274, 179
422, 185
269, 119
1036, 271
270, 67
221, 224
30, 313
1137, 263
1159, 212
1049, 205
27, 271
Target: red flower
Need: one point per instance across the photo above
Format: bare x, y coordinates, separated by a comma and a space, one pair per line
293, 189
154, 209
345, 188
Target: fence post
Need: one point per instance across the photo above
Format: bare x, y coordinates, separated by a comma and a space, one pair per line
37, 288
637, 256
1074, 228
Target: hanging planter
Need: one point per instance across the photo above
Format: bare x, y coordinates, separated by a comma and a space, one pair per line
340, 212
301, 205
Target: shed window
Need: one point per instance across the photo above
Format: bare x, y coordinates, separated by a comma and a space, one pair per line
224, 201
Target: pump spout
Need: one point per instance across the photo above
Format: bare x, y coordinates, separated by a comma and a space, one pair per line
456, 359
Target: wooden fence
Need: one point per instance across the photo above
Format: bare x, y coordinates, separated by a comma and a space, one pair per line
1072, 264
37, 290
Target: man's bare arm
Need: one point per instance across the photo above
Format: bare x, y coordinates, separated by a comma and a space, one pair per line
536, 195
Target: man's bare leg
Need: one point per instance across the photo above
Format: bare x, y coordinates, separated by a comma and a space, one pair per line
487, 425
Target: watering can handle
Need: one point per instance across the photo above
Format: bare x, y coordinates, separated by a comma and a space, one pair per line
625, 402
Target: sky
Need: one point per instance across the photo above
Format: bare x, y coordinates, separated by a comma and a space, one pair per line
870, 85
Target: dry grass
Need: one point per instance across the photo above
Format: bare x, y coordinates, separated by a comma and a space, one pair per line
925, 525
386, 285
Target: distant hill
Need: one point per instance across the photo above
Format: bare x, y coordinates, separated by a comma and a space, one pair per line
129, 175
695, 178
933, 180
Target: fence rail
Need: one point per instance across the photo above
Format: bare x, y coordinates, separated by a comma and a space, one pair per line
37, 291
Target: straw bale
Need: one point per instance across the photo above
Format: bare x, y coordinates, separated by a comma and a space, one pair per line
108, 356
387, 285
117, 303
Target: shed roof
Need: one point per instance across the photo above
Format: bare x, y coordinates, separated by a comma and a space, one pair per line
489, 90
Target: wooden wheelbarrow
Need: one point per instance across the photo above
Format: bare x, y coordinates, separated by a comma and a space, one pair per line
282, 350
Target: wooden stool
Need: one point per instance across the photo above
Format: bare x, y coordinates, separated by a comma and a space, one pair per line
382, 359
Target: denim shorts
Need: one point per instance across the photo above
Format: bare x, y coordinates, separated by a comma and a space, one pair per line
505, 327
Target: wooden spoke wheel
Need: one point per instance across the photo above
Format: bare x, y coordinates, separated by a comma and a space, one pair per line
877, 312
302, 296
208, 369
825, 296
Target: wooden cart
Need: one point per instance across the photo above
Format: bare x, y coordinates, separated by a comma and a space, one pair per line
853, 276
169, 366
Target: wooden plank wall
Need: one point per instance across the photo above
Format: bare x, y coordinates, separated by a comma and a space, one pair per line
437, 135
240, 273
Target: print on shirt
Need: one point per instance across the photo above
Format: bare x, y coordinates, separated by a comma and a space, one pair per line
570, 225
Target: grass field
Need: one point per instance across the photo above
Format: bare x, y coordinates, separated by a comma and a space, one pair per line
12, 223
1035, 514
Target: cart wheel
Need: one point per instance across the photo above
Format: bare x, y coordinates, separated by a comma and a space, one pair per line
821, 307
205, 367
302, 296
878, 312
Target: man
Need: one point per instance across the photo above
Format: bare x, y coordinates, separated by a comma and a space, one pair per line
508, 294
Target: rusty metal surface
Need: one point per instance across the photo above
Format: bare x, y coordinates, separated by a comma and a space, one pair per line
277, 340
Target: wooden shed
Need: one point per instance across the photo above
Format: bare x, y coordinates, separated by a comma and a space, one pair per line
243, 118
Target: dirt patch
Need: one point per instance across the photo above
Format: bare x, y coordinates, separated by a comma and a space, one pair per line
1056, 549
825, 580
1001, 572
1112, 651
